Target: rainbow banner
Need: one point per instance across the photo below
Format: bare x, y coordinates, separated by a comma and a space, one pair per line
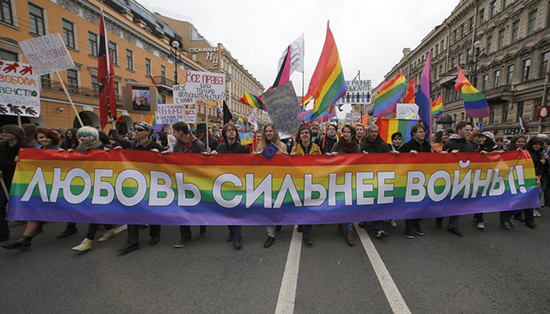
386, 127
190, 189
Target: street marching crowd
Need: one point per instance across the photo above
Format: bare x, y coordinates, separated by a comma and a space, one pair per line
311, 139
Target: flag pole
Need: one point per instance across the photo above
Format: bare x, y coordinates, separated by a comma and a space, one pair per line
70, 99
303, 71
206, 120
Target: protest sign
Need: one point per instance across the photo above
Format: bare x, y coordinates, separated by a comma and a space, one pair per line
198, 86
190, 116
19, 90
123, 187
357, 92
169, 113
283, 108
407, 112
47, 54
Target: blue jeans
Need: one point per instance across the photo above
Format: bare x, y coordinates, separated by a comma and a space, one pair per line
235, 231
453, 222
306, 231
377, 225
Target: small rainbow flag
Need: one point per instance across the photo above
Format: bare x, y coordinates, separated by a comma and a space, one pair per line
253, 101
327, 84
474, 102
240, 122
386, 127
409, 95
388, 95
218, 111
437, 107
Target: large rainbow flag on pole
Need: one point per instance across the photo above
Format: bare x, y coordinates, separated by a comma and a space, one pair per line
437, 107
388, 95
386, 127
327, 84
474, 102
424, 95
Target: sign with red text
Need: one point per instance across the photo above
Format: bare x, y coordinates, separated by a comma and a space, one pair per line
200, 86
19, 90
47, 54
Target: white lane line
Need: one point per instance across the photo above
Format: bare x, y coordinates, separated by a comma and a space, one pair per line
397, 303
287, 294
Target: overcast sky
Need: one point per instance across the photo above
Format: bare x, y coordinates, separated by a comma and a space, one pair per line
370, 35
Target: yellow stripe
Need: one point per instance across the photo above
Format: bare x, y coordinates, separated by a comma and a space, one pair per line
328, 84
399, 81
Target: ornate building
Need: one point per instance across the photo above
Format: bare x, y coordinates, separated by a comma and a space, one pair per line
503, 46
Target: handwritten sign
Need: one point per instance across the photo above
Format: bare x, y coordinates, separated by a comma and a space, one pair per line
19, 90
190, 116
283, 108
200, 86
47, 54
169, 113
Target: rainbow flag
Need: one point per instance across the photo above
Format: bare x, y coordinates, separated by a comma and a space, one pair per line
386, 127
253, 101
240, 122
423, 97
388, 95
409, 95
327, 84
218, 111
437, 107
474, 102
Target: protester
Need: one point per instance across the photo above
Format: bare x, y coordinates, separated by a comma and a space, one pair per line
304, 146
201, 134
329, 139
457, 143
517, 143
142, 142
270, 135
71, 142
540, 160
14, 139
347, 145
440, 139
231, 145
361, 134
47, 139
396, 141
30, 135
187, 143
418, 144
60, 134
316, 133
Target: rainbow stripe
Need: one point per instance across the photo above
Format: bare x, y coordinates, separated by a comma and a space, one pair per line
240, 122
183, 189
327, 84
388, 95
253, 101
424, 94
437, 107
386, 127
475, 104
409, 95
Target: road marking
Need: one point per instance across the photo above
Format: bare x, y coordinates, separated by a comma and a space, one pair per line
287, 294
397, 303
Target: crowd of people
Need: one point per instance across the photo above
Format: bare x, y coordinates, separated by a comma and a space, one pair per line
311, 139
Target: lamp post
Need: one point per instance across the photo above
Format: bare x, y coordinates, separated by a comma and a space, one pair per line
479, 53
175, 45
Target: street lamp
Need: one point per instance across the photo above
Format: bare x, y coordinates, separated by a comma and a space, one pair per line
175, 45
479, 54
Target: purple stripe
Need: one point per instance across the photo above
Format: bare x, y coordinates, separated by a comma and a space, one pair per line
478, 113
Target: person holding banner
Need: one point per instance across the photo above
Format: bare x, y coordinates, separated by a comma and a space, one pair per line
458, 143
347, 145
187, 143
330, 138
396, 141
270, 135
417, 144
14, 139
305, 146
516, 143
88, 139
142, 142
360, 130
231, 146
440, 138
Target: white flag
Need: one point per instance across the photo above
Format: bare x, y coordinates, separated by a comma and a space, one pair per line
296, 56
252, 120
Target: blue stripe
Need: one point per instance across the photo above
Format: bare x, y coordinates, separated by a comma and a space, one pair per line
478, 104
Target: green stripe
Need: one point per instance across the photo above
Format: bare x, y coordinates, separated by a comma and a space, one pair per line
332, 93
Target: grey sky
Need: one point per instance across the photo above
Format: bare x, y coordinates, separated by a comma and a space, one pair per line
370, 35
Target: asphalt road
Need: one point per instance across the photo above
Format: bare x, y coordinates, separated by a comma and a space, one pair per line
491, 271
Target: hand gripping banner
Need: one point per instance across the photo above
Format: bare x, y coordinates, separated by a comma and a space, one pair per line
190, 189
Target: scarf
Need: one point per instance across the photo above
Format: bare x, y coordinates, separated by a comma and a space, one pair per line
306, 149
348, 147
86, 147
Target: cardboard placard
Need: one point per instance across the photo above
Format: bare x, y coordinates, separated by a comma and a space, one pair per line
47, 54
19, 90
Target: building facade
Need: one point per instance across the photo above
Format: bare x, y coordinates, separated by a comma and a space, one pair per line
503, 47
139, 43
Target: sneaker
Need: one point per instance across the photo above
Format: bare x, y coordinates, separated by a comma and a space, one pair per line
480, 226
308, 241
84, 246
511, 222
182, 243
349, 237
381, 234
536, 213
23, 243
269, 242
107, 235
505, 225
393, 224
409, 236
418, 230
238, 244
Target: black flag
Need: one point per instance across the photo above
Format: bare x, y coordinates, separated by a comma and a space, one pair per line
227, 116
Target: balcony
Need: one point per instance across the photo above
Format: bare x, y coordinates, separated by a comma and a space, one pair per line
164, 82
51, 85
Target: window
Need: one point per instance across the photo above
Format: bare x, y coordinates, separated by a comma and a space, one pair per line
481, 16
72, 80
37, 20
519, 114
92, 43
113, 52
451, 96
460, 59
455, 35
8, 55
117, 89
462, 30
501, 39
497, 78
515, 31
532, 23
68, 34
163, 72
504, 113
471, 25
526, 68
129, 59
462, 116
436, 49
95, 84
5, 12
147, 67
485, 81
544, 64
45, 81
488, 48
510, 77
493, 7
491, 115
507, 3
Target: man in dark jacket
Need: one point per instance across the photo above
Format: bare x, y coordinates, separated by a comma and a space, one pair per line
201, 134
232, 146
329, 139
418, 144
458, 143
142, 141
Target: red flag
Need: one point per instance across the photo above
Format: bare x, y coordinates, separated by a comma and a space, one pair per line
409, 95
105, 77
284, 72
